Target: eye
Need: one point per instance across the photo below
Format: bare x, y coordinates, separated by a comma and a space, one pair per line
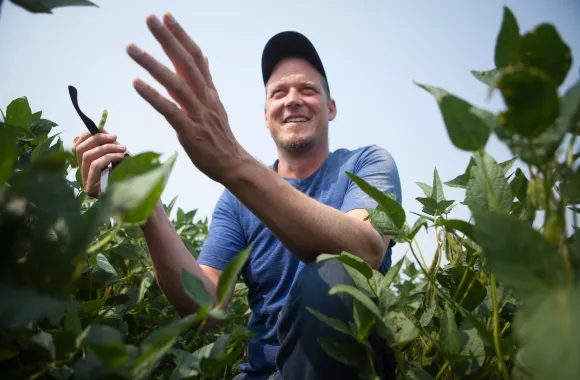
277, 93
309, 90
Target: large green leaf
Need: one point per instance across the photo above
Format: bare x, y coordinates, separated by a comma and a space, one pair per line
488, 189
570, 109
18, 113
449, 335
532, 101
547, 328
519, 185
195, 289
465, 127
107, 344
385, 225
46, 6
471, 347
570, 187
386, 203
390, 276
105, 265
136, 185
42, 126
351, 260
529, 263
336, 324
543, 48
230, 274
359, 296
508, 44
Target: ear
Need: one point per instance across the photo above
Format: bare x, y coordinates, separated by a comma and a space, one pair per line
331, 110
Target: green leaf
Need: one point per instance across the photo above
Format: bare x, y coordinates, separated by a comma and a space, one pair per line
351, 260
570, 110
458, 225
528, 264
136, 185
104, 264
350, 354
402, 329
461, 180
519, 185
506, 165
128, 251
336, 324
45, 6
44, 343
418, 373
508, 45
156, 346
420, 222
570, 187
384, 224
548, 319
18, 113
8, 154
107, 344
386, 203
472, 293
449, 335
429, 205
42, 148
37, 115
437, 193
543, 48
427, 189
471, 347
359, 296
146, 282
427, 315
487, 77
532, 101
230, 274
195, 289
487, 188
363, 320
72, 323
465, 127
42, 127
391, 275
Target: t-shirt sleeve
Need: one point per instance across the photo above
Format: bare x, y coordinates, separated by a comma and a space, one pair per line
225, 237
377, 167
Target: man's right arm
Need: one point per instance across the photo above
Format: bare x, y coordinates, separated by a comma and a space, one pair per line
168, 253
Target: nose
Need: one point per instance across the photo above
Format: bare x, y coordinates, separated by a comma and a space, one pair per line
293, 98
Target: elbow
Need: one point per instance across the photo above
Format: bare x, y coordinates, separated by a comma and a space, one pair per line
375, 250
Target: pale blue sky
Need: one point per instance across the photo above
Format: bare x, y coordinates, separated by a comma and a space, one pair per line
372, 51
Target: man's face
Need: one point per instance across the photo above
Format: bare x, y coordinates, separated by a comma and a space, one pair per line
297, 108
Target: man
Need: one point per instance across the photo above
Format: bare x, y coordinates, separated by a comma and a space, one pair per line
301, 206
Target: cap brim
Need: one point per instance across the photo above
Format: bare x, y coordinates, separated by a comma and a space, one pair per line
289, 44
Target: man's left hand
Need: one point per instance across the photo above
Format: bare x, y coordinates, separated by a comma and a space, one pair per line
200, 121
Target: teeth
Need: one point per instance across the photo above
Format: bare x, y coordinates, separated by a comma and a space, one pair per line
296, 119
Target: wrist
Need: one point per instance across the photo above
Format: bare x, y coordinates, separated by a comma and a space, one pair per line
155, 217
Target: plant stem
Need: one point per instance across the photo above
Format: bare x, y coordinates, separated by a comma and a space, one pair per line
420, 253
569, 154
443, 368
464, 277
106, 239
496, 329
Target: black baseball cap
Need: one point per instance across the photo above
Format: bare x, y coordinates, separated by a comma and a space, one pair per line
289, 44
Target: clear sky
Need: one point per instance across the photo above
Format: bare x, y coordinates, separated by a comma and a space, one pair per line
372, 51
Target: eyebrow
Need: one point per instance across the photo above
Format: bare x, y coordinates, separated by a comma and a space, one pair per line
282, 83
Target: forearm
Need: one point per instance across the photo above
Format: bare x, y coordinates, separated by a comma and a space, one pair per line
169, 256
305, 226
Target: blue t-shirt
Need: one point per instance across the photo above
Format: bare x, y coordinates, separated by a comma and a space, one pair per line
272, 269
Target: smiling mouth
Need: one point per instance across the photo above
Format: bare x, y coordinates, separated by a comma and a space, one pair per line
296, 120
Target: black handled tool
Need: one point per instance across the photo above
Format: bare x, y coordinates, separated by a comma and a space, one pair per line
91, 126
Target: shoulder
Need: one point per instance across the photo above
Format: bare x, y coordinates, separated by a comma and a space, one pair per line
365, 156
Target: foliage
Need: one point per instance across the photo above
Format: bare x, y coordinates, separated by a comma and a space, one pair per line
80, 299
79, 296
504, 305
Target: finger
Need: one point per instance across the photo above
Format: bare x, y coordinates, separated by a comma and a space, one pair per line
190, 46
79, 139
94, 154
184, 63
93, 183
175, 84
87, 145
164, 106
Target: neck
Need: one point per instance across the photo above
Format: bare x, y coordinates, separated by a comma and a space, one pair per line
303, 165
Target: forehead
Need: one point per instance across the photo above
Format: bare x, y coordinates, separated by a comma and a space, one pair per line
291, 70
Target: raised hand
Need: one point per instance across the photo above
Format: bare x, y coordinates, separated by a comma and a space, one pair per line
199, 118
